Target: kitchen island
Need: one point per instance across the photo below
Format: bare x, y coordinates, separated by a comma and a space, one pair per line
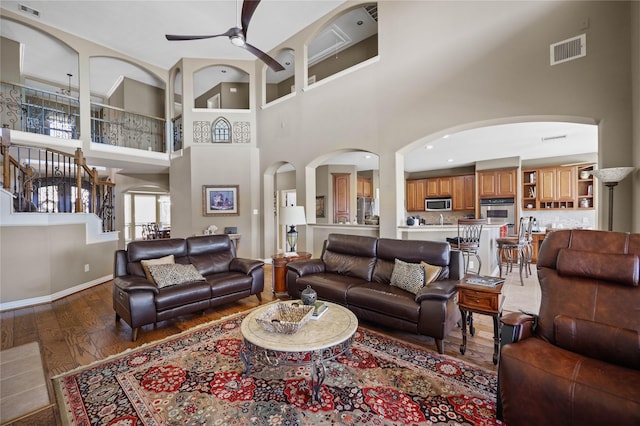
488, 246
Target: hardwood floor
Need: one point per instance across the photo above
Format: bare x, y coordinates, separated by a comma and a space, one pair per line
80, 329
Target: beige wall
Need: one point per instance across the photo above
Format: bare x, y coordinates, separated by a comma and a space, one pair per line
10, 60
228, 98
50, 260
450, 66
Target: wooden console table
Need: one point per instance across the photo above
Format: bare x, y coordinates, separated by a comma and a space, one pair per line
280, 269
482, 300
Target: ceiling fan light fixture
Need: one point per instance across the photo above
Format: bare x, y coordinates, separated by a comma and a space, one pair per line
237, 40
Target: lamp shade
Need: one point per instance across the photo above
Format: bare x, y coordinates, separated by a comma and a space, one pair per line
292, 215
613, 174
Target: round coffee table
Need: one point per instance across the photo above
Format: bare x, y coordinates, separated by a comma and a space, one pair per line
317, 341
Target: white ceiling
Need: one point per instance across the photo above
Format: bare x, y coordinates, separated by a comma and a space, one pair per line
137, 28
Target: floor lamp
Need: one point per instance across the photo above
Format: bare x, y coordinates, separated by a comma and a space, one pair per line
292, 216
610, 178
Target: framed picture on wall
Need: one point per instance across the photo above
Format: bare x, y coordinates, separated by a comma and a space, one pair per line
320, 206
220, 200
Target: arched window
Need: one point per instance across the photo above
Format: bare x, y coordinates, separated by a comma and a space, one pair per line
221, 131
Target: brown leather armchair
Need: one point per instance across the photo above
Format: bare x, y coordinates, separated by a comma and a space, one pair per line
578, 362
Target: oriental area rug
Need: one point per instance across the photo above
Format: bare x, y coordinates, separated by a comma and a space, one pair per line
195, 378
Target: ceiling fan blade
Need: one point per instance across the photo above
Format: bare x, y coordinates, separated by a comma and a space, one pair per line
248, 7
272, 63
187, 37
170, 37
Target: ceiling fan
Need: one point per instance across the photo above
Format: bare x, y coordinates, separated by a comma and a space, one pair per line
238, 36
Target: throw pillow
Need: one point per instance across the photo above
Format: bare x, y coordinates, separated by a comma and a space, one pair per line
168, 274
431, 272
408, 276
159, 261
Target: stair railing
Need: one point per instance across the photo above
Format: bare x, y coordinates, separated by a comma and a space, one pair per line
46, 180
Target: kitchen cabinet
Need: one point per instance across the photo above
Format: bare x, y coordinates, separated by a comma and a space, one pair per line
529, 189
463, 192
439, 187
536, 240
365, 187
586, 199
556, 187
497, 183
416, 193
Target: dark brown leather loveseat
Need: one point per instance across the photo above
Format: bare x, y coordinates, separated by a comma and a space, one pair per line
139, 301
355, 272
578, 363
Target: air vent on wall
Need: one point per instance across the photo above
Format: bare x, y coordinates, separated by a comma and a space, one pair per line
568, 50
372, 10
27, 9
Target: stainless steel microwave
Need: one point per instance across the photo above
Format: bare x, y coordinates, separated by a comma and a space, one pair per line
437, 204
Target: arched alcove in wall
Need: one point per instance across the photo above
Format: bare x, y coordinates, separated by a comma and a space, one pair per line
221, 87
176, 104
279, 191
278, 84
41, 61
349, 39
527, 144
344, 186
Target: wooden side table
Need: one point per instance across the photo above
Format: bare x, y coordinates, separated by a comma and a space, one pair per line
482, 300
279, 281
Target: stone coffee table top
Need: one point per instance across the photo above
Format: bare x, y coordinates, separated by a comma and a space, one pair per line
332, 328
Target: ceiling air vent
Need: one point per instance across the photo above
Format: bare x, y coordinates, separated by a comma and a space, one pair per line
568, 50
29, 10
372, 10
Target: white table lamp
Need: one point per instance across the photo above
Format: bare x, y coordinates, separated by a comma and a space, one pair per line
292, 216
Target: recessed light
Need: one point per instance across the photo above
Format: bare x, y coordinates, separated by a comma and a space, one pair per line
446, 137
450, 160
359, 22
428, 146
367, 156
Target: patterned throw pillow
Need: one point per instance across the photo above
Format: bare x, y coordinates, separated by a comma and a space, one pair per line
159, 261
431, 272
408, 276
174, 274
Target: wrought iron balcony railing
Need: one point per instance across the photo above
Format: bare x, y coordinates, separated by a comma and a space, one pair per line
115, 126
47, 181
54, 114
38, 111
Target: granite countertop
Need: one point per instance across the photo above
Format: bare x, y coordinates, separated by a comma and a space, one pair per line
440, 227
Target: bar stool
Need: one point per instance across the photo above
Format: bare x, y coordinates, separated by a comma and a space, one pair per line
517, 250
468, 240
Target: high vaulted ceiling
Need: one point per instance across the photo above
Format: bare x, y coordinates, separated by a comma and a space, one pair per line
137, 29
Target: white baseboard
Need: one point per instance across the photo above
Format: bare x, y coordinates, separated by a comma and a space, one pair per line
55, 296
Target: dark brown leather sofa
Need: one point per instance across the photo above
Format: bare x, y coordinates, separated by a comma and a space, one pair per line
579, 362
139, 301
355, 271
